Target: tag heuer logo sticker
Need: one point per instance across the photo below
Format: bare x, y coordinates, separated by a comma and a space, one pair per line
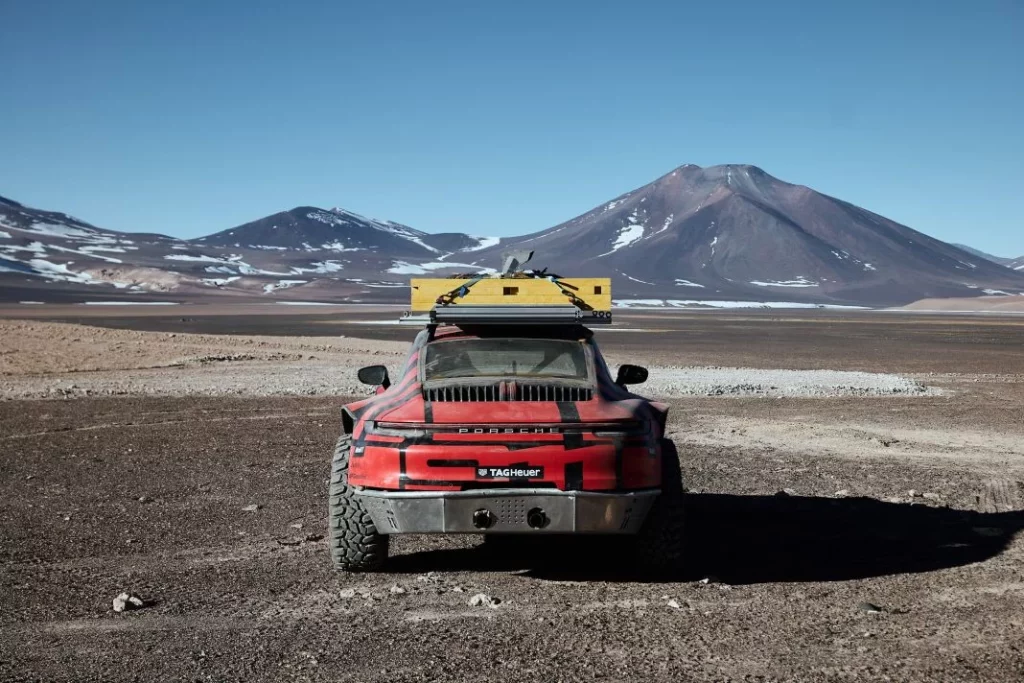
509, 472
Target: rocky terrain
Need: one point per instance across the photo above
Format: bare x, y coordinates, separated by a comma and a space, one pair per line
723, 236
48, 360
834, 536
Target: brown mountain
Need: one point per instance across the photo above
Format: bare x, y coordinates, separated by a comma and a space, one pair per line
736, 232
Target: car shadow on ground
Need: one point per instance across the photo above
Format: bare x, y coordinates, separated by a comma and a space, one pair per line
738, 539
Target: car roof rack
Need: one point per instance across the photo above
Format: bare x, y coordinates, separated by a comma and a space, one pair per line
515, 297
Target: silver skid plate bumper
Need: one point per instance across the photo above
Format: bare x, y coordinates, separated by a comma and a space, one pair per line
507, 511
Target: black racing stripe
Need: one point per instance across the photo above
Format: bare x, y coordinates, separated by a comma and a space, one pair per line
452, 463
402, 476
400, 395
574, 440
574, 476
568, 412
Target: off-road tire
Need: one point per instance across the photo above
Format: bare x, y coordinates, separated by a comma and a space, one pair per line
355, 544
659, 546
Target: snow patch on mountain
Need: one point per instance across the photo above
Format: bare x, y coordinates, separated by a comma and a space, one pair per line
220, 281
5, 235
246, 269
338, 245
481, 243
197, 259
89, 249
63, 231
58, 271
800, 281
687, 283
282, 284
629, 233
320, 267
643, 282
82, 252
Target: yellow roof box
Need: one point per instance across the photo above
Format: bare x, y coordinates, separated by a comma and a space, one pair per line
511, 299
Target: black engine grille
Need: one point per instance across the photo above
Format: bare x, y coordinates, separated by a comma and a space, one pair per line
507, 391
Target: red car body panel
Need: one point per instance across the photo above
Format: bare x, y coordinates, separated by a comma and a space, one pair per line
402, 441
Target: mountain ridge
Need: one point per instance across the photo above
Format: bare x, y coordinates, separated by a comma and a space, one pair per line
730, 232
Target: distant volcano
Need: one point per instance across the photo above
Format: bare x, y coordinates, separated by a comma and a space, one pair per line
736, 232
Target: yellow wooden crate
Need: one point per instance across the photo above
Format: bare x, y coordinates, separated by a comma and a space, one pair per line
595, 291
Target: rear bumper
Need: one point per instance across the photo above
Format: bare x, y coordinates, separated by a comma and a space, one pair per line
508, 511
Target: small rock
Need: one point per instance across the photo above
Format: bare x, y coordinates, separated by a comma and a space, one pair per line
931, 496
458, 589
913, 494
397, 590
786, 492
29, 477
251, 508
674, 604
842, 493
313, 538
429, 576
347, 593
869, 607
145, 499
125, 602
484, 600
708, 579
295, 526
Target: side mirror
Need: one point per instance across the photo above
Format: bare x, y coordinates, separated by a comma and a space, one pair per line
374, 375
631, 374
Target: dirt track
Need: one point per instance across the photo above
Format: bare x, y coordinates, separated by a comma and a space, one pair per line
248, 596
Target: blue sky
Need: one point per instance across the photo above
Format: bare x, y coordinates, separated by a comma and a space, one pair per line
503, 118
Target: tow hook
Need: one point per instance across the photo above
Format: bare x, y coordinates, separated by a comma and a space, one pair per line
483, 519
537, 519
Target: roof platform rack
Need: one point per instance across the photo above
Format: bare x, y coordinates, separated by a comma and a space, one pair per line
507, 314
515, 297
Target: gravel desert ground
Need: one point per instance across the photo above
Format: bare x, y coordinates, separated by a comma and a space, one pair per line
862, 526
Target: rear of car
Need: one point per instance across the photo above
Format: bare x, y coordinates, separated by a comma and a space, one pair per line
497, 430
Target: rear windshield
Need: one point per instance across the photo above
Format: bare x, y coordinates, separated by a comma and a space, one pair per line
542, 358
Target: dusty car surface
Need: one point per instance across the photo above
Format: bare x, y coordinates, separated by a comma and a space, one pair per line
499, 429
